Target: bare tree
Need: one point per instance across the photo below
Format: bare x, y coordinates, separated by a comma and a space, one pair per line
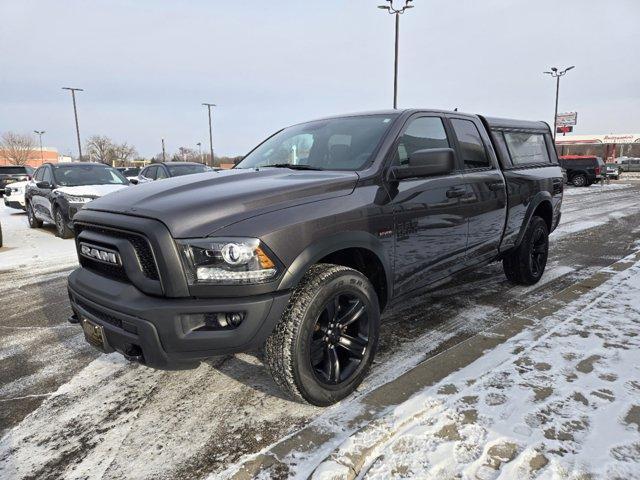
100, 148
17, 148
123, 153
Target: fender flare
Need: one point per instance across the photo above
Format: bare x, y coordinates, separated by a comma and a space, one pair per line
327, 245
538, 199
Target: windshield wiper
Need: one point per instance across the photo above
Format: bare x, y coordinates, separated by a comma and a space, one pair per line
293, 166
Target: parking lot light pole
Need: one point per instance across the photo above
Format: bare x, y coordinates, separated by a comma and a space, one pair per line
397, 12
557, 73
75, 113
200, 152
209, 105
40, 133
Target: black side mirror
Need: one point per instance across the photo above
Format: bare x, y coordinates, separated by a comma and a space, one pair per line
43, 185
133, 181
425, 163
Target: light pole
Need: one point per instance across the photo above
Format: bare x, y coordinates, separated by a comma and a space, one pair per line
164, 156
397, 12
75, 113
200, 152
40, 133
556, 73
209, 105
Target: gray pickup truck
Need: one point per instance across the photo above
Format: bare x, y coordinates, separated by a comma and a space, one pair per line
299, 248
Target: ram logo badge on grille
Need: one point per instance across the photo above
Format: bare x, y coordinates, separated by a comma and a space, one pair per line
100, 254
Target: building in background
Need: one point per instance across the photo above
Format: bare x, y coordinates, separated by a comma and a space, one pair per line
35, 157
607, 147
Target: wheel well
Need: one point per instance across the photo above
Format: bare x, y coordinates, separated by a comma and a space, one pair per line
545, 211
367, 263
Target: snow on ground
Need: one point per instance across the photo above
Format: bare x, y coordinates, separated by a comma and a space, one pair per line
595, 189
614, 204
561, 404
35, 249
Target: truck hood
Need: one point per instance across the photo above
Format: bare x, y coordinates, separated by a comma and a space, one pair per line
198, 205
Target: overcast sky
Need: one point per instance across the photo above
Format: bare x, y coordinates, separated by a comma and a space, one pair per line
147, 65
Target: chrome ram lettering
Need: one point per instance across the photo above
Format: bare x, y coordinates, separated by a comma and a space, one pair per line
100, 254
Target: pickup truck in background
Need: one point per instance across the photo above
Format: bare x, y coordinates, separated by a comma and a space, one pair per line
583, 170
299, 248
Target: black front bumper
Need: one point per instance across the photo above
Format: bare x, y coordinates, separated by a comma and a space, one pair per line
152, 326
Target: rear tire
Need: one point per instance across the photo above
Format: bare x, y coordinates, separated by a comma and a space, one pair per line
525, 265
323, 346
31, 218
62, 230
579, 180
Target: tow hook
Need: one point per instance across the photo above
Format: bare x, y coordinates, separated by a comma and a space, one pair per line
133, 354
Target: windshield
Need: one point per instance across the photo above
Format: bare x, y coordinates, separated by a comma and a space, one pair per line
345, 143
77, 175
13, 170
179, 170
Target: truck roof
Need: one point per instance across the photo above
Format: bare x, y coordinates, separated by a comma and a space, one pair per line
491, 122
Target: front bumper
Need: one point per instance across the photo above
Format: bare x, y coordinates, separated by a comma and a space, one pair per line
153, 328
13, 202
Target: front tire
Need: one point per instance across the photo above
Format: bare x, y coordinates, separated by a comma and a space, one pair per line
31, 217
525, 265
323, 346
62, 230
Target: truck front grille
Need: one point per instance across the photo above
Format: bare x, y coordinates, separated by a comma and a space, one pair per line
140, 245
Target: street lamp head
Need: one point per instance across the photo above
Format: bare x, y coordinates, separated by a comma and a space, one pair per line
569, 68
554, 69
548, 73
384, 7
408, 6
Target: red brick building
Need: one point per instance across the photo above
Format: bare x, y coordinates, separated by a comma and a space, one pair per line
35, 157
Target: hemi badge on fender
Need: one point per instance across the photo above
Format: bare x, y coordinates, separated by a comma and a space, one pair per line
100, 254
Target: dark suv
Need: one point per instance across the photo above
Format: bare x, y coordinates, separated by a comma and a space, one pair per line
13, 173
299, 248
59, 190
583, 170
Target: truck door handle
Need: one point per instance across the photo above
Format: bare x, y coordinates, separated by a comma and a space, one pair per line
456, 192
496, 186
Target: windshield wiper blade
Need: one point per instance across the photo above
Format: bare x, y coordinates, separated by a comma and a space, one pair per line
293, 166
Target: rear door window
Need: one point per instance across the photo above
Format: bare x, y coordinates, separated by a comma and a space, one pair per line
527, 148
474, 155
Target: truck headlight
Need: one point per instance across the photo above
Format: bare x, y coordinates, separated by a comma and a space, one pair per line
227, 261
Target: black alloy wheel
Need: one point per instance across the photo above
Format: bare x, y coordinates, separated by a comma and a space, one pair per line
539, 252
340, 339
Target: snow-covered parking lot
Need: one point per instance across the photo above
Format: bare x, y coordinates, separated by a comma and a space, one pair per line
554, 398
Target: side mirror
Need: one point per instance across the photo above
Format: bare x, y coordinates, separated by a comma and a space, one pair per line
425, 163
43, 185
133, 181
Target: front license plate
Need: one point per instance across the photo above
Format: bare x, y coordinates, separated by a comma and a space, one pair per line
93, 333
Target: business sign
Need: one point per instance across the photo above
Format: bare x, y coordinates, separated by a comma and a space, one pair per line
568, 119
564, 129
